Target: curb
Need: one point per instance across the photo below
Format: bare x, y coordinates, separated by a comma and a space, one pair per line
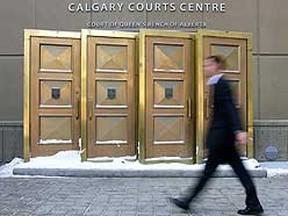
68, 172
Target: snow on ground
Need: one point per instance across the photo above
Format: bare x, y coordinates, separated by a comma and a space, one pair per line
72, 160
7, 169
275, 168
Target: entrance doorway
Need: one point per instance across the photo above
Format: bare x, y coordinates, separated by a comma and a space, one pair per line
116, 94
167, 90
54, 82
111, 94
236, 49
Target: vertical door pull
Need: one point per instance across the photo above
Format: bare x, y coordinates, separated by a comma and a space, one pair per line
77, 109
90, 109
189, 108
206, 107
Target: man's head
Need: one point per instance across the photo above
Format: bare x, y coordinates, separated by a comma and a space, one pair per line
213, 65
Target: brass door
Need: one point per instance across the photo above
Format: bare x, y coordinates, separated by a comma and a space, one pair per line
55, 94
168, 112
111, 96
234, 51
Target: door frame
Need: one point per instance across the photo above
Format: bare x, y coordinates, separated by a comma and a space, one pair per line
85, 33
200, 118
28, 34
142, 90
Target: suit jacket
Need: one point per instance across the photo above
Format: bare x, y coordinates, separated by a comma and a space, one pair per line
225, 120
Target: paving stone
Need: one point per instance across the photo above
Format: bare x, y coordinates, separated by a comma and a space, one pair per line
133, 196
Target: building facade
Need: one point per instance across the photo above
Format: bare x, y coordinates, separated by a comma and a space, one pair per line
263, 18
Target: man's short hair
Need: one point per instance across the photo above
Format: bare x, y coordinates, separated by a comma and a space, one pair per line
219, 60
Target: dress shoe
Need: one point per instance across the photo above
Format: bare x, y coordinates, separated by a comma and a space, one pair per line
251, 211
180, 203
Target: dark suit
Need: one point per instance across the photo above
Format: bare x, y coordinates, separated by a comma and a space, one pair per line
220, 141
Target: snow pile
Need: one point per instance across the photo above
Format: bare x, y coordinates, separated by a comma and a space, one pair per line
72, 160
7, 169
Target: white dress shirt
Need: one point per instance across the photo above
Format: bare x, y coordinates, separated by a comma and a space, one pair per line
214, 79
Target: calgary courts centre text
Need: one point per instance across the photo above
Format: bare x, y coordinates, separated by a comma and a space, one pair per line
146, 7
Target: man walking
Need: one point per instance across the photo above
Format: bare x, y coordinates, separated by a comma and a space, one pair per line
225, 129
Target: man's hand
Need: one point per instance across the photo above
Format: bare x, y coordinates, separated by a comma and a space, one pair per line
242, 137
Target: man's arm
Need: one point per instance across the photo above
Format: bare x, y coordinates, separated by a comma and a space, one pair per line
226, 99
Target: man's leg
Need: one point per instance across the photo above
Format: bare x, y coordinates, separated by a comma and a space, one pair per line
210, 167
252, 200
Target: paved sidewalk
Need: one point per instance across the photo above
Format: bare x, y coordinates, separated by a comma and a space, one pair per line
132, 196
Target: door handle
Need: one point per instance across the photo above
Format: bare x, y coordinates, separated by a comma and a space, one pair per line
78, 109
189, 108
90, 109
206, 107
